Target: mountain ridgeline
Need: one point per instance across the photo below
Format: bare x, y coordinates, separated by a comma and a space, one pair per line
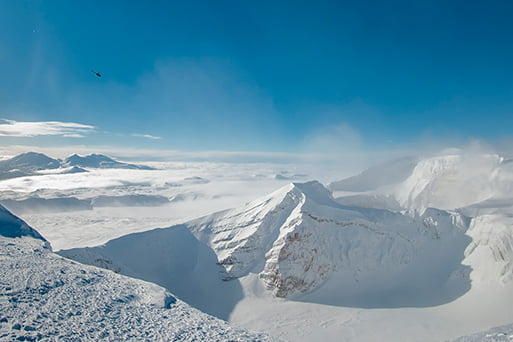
305, 246
32, 163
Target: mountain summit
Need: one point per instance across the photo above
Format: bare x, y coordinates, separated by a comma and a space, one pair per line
300, 241
26, 164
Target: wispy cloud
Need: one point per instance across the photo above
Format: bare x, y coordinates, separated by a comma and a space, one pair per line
147, 136
11, 128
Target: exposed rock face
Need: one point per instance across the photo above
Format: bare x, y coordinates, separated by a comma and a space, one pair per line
298, 237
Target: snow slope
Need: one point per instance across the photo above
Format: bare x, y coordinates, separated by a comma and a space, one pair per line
388, 173
455, 181
13, 227
446, 181
46, 297
172, 258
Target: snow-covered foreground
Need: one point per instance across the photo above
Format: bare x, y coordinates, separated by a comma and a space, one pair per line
46, 297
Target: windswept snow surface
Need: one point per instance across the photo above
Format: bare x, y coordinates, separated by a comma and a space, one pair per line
172, 258
497, 334
46, 297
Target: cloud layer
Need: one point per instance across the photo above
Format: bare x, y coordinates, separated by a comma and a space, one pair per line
13, 128
147, 136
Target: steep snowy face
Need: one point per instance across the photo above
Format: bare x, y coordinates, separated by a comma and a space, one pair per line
13, 227
454, 181
240, 237
388, 173
491, 252
298, 238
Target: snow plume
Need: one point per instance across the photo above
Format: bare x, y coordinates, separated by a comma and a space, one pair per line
11, 128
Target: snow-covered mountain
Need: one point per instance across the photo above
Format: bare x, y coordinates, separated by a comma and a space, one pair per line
448, 181
384, 174
26, 164
32, 163
300, 241
100, 161
46, 297
455, 181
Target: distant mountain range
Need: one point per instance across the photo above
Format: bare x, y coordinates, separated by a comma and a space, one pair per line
100, 161
32, 163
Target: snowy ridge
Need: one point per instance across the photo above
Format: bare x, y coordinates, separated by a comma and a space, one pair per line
26, 164
32, 163
240, 237
388, 173
100, 161
13, 227
299, 237
455, 181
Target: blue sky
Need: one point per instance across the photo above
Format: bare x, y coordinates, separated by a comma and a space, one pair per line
255, 75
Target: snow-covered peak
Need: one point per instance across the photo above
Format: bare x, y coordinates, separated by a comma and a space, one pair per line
13, 227
26, 164
453, 181
298, 238
99, 161
384, 174
31, 160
